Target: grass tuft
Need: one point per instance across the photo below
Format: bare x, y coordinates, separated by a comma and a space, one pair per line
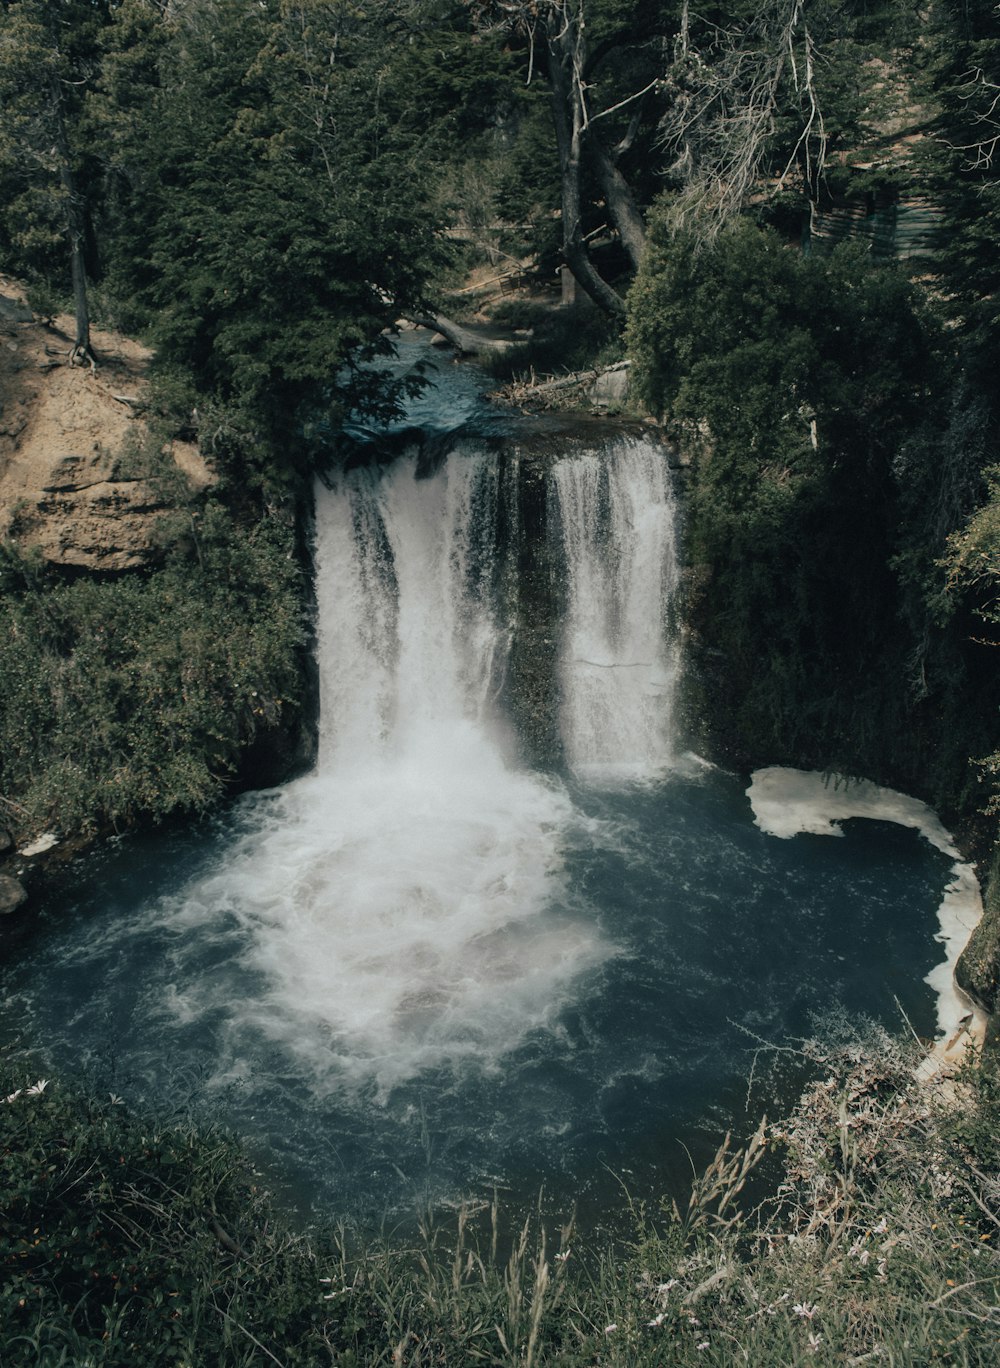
125, 1241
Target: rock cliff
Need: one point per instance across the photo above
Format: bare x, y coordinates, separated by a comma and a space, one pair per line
63, 430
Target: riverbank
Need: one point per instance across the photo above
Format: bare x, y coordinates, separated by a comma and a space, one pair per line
123, 1235
152, 627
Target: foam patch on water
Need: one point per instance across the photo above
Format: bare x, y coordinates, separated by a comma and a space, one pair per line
790, 802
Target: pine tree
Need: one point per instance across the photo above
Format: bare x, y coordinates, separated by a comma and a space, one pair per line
967, 79
49, 54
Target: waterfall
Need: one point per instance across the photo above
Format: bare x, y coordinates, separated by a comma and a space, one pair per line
615, 513
432, 966
405, 907
410, 641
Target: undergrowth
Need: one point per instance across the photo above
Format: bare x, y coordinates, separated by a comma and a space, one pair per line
560, 341
124, 1241
135, 695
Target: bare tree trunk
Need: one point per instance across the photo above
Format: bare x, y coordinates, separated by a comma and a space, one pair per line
622, 207
568, 115
75, 232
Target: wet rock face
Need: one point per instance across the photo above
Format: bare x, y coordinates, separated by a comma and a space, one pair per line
536, 620
978, 970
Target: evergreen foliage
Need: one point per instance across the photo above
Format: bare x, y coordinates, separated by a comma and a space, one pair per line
275, 219
965, 75
49, 56
797, 380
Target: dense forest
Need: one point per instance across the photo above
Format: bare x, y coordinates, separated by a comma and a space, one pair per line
263, 191
788, 220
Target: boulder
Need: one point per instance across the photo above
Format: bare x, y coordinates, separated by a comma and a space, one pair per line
12, 895
611, 387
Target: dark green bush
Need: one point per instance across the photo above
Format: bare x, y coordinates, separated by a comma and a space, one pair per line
134, 696
811, 394
124, 1241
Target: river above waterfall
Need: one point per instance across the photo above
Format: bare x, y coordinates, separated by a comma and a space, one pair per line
510, 933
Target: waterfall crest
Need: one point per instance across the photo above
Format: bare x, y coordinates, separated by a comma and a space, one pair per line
410, 637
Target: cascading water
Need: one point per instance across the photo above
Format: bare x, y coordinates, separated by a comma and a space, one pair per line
428, 967
408, 908
616, 517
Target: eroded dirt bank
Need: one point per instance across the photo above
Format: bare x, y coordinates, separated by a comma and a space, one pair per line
69, 481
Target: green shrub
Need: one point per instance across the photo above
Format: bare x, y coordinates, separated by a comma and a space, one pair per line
124, 1241
134, 696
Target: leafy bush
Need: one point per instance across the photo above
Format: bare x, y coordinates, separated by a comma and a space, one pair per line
135, 696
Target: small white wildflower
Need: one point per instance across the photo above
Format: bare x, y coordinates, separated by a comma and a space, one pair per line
805, 1310
610, 1329
656, 1322
881, 1228
12, 1097
116, 1101
702, 1345
814, 1342
38, 1088
881, 1270
563, 1255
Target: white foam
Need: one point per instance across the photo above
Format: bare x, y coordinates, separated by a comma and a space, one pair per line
405, 906
40, 845
787, 802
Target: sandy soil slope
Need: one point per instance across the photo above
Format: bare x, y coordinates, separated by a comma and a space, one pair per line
62, 428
